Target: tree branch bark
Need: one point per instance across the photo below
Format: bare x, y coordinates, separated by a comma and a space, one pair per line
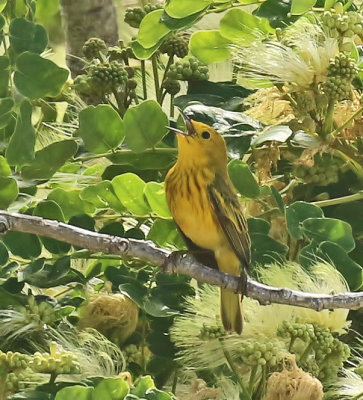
148, 252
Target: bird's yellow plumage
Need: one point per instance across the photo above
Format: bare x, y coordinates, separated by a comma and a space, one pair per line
205, 206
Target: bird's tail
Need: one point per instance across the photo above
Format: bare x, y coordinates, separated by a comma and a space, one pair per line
231, 311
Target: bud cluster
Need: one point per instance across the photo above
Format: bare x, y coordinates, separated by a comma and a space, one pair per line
347, 24
190, 70
175, 45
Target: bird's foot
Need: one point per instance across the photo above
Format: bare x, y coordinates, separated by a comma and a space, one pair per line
172, 260
242, 284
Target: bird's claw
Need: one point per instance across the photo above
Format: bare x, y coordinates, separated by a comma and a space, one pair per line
242, 284
172, 260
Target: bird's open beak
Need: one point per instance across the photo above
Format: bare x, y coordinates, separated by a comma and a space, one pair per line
189, 124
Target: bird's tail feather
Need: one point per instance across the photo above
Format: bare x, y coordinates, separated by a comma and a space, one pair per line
231, 311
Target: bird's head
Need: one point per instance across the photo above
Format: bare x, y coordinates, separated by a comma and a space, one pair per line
201, 145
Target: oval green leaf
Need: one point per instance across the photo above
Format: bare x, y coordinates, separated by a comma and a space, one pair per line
70, 202
24, 36
111, 389
299, 7
47, 161
278, 133
145, 125
20, 150
37, 77
297, 213
352, 272
8, 191
129, 189
181, 9
6, 108
141, 53
152, 30
242, 27
5, 169
243, 179
23, 245
210, 46
330, 230
155, 195
101, 128
76, 392
50, 210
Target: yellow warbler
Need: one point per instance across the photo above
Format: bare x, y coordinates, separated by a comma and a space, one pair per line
205, 206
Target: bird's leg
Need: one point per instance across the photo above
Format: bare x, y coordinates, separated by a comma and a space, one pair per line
176, 256
242, 284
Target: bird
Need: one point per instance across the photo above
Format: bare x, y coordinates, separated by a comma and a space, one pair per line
206, 209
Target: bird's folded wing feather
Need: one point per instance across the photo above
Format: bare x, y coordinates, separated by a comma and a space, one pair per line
229, 213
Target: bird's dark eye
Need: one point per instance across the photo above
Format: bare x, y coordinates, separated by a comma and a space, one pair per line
205, 135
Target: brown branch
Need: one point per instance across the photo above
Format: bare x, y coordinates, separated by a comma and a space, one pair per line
147, 251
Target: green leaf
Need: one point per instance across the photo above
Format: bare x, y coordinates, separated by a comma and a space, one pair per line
141, 53
8, 191
107, 194
278, 133
4, 76
50, 210
242, 27
24, 36
155, 195
3, 4
4, 254
330, 230
75, 392
101, 128
277, 12
44, 275
135, 233
278, 199
146, 161
352, 272
37, 77
20, 150
6, 111
181, 9
156, 394
129, 189
23, 245
308, 255
258, 225
297, 213
143, 384
48, 160
164, 232
111, 389
299, 7
113, 228
210, 46
135, 291
156, 308
243, 179
70, 202
152, 30
264, 243
180, 23
145, 125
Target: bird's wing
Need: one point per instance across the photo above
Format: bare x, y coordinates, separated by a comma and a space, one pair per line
204, 256
229, 213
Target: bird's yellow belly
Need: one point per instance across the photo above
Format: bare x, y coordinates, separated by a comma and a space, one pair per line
197, 222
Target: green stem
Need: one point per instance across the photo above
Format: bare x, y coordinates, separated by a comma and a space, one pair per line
339, 200
292, 341
120, 102
143, 77
166, 150
167, 67
232, 367
133, 95
328, 121
154, 64
175, 381
172, 106
53, 377
347, 122
306, 352
12, 7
